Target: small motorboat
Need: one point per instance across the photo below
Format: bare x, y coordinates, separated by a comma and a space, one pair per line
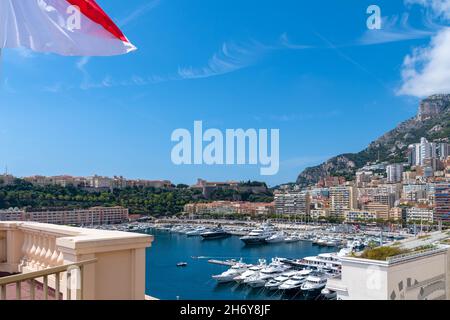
182, 264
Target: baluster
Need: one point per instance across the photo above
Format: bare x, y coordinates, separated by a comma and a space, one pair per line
24, 250
49, 254
55, 255
28, 249
44, 248
32, 251
60, 260
37, 253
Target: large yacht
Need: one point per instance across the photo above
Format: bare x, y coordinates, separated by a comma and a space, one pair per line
259, 235
216, 233
324, 261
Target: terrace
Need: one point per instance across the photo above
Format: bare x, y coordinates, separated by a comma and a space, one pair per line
44, 261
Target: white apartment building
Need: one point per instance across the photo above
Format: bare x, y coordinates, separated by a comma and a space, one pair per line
419, 152
78, 217
292, 202
394, 172
359, 215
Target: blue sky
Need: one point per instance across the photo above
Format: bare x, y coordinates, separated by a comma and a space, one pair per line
309, 68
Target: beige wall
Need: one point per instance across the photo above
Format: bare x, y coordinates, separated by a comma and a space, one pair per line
429, 275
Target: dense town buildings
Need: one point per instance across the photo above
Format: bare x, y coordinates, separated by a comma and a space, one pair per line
229, 208
96, 182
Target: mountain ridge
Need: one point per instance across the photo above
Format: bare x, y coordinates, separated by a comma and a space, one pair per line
432, 122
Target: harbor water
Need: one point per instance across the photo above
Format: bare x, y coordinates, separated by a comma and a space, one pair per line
166, 281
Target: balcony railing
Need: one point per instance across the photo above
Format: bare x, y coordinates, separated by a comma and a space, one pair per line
42, 277
38, 250
415, 255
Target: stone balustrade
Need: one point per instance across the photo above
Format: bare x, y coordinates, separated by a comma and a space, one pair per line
119, 272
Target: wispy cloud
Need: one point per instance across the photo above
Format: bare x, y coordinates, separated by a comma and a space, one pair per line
138, 12
396, 28
231, 57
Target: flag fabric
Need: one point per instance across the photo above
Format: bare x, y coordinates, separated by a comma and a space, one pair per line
65, 27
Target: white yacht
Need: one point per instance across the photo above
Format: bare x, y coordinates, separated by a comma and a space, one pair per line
295, 282
259, 236
316, 281
274, 283
292, 238
231, 273
276, 238
274, 269
251, 271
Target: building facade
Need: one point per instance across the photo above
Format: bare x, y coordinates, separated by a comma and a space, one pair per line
78, 217
292, 202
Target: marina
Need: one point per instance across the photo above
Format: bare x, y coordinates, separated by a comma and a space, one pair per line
230, 268
167, 281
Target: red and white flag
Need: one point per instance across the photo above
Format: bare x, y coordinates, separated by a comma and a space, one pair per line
66, 27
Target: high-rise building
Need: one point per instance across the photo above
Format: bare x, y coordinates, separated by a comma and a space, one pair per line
418, 152
343, 198
442, 201
394, 172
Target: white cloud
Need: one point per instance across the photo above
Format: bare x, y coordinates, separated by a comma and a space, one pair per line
427, 70
440, 8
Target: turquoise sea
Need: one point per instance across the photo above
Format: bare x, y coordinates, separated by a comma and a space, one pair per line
166, 281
